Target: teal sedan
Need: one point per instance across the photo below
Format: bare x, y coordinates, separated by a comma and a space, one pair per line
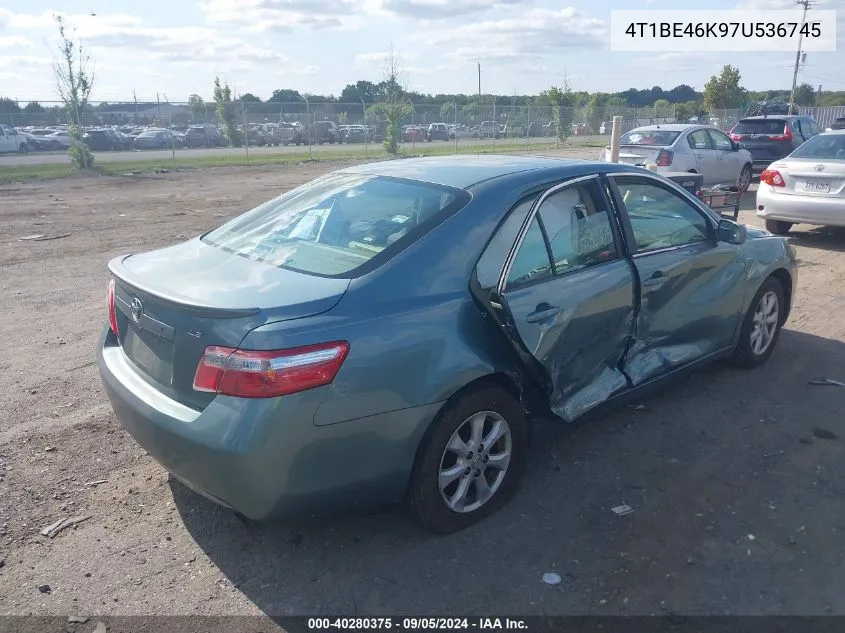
390, 331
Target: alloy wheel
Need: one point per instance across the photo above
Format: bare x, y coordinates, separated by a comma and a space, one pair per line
475, 462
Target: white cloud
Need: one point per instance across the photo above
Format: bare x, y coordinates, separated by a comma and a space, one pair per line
284, 15
24, 61
669, 62
380, 57
436, 9
530, 35
9, 41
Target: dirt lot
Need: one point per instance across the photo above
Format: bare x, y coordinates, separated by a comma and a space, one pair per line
736, 478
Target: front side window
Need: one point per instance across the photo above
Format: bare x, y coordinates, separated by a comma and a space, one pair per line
720, 141
659, 217
335, 225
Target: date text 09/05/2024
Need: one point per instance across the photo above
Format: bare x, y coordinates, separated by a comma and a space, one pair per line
417, 624
723, 29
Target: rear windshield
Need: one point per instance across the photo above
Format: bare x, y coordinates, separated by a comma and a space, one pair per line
760, 126
822, 147
340, 225
649, 137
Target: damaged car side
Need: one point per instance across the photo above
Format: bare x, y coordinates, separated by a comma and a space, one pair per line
390, 330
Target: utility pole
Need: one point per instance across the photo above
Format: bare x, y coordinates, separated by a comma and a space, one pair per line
479, 79
806, 5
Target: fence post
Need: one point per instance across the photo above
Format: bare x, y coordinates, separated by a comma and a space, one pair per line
614, 139
246, 131
366, 130
456, 127
496, 124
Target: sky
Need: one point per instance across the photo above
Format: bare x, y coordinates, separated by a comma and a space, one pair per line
173, 48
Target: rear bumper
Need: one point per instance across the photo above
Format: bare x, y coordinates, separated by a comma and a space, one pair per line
800, 209
265, 457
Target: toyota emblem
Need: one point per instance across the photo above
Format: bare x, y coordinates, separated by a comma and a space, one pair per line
137, 309
819, 167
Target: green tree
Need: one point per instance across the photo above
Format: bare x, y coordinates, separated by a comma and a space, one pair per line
563, 108
805, 95
394, 105
447, 111
723, 90
248, 97
285, 95
74, 81
662, 106
227, 112
197, 107
33, 107
366, 90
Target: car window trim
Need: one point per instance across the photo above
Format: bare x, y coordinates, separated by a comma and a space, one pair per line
501, 285
622, 209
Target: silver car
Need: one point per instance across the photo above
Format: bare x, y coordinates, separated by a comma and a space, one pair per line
806, 187
700, 149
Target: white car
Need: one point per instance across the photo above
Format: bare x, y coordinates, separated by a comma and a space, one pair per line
700, 149
806, 187
11, 140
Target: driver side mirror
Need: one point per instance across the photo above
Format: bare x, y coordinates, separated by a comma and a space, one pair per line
734, 146
731, 232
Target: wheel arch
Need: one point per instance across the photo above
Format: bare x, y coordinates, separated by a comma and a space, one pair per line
784, 277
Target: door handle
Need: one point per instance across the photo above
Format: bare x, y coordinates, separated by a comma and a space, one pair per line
656, 279
542, 313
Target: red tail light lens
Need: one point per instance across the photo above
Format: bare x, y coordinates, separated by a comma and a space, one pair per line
772, 177
737, 137
664, 158
112, 313
267, 374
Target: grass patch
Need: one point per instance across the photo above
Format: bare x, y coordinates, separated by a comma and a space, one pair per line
184, 160
601, 144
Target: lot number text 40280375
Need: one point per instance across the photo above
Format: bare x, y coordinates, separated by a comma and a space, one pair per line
418, 624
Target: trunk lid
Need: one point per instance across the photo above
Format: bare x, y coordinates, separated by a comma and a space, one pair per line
174, 302
802, 177
636, 154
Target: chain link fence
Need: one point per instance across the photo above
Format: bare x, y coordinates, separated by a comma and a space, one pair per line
360, 128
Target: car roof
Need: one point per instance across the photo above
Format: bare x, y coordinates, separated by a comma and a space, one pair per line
832, 133
772, 116
462, 172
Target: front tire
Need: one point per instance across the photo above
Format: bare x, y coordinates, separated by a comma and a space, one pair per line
761, 326
778, 227
471, 461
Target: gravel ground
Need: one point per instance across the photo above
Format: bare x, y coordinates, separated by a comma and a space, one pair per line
735, 478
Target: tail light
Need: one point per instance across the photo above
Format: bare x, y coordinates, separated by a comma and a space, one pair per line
664, 158
267, 374
112, 312
772, 177
737, 137
786, 136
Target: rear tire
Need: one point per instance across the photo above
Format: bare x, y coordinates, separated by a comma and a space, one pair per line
778, 227
452, 452
761, 326
744, 180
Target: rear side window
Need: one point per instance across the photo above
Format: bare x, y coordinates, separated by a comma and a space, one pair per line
760, 126
340, 225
